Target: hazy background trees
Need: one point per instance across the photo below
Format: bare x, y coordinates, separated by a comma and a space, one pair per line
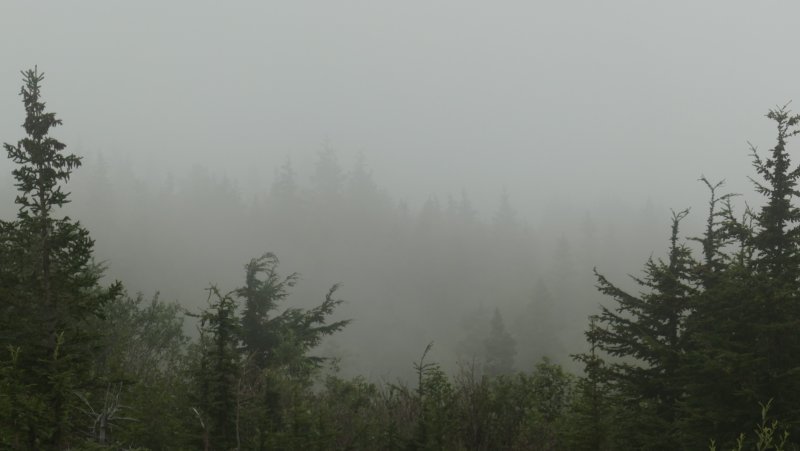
411, 273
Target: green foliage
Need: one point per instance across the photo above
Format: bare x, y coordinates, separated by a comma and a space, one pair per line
590, 422
145, 364
707, 339
743, 343
218, 370
647, 335
433, 398
252, 372
83, 367
283, 339
768, 436
50, 291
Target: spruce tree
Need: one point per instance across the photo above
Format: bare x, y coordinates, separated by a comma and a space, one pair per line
261, 332
645, 337
50, 287
219, 370
328, 178
252, 366
500, 348
281, 339
285, 187
590, 412
745, 349
777, 270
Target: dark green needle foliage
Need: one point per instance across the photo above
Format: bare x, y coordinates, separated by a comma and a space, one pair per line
219, 370
645, 335
708, 341
745, 347
260, 328
49, 292
282, 339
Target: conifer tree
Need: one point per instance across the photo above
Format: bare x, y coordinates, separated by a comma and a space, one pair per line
50, 286
252, 365
537, 327
777, 267
720, 231
745, 347
590, 414
260, 334
328, 178
500, 347
219, 370
281, 339
645, 336
285, 185
361, 186
505, 219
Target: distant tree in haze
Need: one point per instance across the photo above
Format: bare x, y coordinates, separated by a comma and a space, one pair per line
285, 185
430, 215
328, 178
461, 211
563, 262
361, 186
505, 219
500, 348
475, 329
537, 328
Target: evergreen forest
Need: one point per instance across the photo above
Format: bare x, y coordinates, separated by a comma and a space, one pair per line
698, 349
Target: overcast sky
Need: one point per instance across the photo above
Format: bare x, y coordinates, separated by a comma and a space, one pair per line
584, 101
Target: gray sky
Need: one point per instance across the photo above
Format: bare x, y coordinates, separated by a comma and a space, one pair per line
611, 101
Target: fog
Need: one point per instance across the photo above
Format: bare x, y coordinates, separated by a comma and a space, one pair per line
450, 157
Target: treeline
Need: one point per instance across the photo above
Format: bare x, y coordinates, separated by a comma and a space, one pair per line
712, 334
434, 271
686, 360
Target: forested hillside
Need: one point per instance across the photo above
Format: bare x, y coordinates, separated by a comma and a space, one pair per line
441, 330
411, 273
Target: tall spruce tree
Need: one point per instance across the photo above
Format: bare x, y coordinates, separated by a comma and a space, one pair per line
645, 337
777, 268
745, 347
717, 354
285, 187
50, 289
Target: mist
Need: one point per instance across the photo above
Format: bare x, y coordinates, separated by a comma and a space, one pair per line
447, 159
